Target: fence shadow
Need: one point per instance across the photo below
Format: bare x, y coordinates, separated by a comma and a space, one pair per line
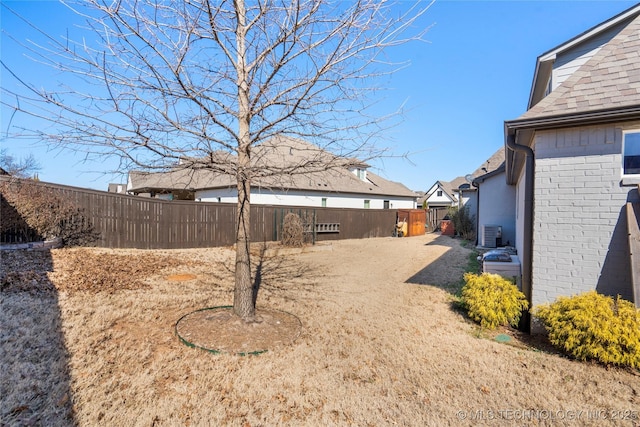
35, 385
451, 263
14, 229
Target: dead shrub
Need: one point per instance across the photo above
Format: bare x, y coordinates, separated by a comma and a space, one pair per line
45, 211
292, 230
464, 222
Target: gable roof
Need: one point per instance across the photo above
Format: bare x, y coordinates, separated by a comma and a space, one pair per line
496, 161
451, 186
610, 79
605, 89
545, 62
491, 164
448, 188
304, 167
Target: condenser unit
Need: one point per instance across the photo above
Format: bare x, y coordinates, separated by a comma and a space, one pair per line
511, 270
491, 236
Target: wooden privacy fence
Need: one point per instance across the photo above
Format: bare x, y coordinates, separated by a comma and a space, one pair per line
124, 221
434, 216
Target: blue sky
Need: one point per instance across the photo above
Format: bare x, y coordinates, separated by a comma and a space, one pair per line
474, 73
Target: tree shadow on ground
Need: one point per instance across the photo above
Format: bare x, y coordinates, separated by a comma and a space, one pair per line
35, 388
273, 274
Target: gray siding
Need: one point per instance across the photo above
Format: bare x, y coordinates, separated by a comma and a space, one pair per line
568, 62
579, 223
469, 200
497, 207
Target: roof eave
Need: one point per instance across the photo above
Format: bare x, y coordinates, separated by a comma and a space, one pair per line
523, 129
541, 77
599, 28
609, 115
497, 171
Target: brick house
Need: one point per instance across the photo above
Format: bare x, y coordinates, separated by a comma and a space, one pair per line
574, 159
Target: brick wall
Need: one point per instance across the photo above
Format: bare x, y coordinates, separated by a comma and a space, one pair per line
579, 224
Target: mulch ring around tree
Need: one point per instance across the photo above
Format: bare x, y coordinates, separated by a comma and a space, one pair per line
219, 330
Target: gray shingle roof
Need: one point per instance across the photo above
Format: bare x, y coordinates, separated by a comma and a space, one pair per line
306, 164
491, 164
610, 79
450, 186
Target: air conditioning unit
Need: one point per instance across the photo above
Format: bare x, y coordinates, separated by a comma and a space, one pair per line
510, 270
491, 236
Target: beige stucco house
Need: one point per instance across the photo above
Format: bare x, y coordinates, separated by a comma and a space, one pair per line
306, 182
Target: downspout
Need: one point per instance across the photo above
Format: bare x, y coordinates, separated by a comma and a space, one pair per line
475, 184
527, 244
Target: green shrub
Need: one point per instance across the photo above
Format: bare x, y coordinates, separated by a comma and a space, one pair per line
492, 300
594, 326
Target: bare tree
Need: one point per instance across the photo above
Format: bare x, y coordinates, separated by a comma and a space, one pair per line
19, 168
198, 84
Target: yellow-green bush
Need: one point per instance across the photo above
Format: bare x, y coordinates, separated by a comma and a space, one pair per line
594, 326
492, 300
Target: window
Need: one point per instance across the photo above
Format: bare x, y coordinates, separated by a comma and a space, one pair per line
631, 153
362, 174
386, 204
439, 193
324, 202
367, 204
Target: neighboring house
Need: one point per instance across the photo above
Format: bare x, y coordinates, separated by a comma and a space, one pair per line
439, 199
496, 217
117, 188
494, 209
442, 194
495, 202
574, 159
467, 196
487, 198
347, 186
460, 192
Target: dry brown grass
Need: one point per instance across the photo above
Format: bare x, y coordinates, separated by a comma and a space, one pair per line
380, 345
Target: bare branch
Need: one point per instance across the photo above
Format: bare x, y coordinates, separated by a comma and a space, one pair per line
219, 87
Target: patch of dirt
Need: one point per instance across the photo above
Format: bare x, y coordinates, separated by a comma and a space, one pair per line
219, 329
182, 277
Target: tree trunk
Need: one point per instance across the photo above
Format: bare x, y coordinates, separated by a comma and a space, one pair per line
243, 299
243, 302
